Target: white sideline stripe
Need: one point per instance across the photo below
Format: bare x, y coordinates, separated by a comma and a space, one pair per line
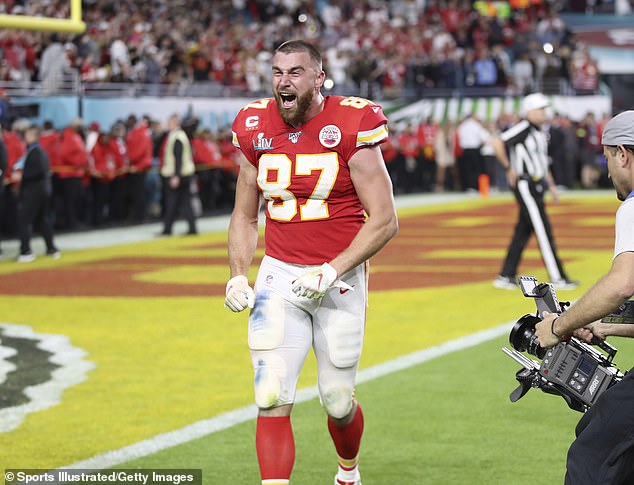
227, 420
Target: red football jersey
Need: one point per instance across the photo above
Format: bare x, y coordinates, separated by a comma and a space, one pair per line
312, 209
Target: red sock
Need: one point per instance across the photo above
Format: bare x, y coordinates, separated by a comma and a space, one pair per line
347, 439
275, 446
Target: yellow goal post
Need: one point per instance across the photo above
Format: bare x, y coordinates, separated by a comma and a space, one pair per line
25, 22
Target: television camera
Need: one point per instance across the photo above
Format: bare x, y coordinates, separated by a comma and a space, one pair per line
572, 369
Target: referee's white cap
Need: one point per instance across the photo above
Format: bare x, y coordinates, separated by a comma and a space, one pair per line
534, 101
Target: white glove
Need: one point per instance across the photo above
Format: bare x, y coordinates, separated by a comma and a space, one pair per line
315, 283
239, 294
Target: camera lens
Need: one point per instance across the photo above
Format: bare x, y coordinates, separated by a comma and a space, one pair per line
522, 337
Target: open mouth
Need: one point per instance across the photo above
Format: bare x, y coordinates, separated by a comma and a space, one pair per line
288, 100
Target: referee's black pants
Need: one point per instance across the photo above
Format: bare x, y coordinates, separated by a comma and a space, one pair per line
532, 218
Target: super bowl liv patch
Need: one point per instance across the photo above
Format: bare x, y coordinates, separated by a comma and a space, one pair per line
330, 136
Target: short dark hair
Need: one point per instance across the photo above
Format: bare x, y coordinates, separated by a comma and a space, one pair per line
291, 46
612, 148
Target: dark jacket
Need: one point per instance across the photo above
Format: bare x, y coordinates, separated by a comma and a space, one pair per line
36, 170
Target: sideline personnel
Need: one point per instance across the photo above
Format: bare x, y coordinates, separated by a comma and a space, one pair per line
603, 452
529, 176
177, 172
317, 163
31, 177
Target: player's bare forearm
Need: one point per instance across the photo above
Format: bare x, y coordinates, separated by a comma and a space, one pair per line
243, 227
243, 239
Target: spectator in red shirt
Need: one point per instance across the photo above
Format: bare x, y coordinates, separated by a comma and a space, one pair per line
119, 191
15, 147
409, 144
50, 141
102, 162
208, 170
3, 168
73, 165
139, 148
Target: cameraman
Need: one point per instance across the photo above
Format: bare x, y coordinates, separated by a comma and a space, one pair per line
603, 452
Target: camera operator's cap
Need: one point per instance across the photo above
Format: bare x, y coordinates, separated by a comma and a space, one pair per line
534, 101
619, 130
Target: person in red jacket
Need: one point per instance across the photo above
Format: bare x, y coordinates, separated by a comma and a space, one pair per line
15, 148
118, 189
3, 168
139, 147
50, 143
409, 145
73, 164
103, 165
207, 160
229, 164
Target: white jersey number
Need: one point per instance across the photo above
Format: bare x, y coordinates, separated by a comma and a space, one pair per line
274, 179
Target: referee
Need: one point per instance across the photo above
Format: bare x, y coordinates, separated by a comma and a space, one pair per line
523, 152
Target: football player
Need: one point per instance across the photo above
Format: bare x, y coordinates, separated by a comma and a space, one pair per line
316, 162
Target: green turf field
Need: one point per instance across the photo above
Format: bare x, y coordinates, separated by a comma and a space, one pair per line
143, 357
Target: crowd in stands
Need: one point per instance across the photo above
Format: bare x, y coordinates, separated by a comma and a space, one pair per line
372, 48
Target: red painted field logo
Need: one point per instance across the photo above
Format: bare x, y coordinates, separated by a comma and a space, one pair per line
35, 369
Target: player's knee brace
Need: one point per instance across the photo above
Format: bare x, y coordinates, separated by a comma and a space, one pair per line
266, 322
337, 400
345, 341
269, 375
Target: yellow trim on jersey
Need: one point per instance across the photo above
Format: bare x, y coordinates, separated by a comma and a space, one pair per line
234, 139
372, 137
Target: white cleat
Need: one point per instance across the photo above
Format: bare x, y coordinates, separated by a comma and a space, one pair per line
339, 481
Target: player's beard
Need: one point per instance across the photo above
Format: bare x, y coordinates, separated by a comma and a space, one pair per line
297, 115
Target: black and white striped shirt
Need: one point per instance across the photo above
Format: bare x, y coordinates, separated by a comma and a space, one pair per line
528, 149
